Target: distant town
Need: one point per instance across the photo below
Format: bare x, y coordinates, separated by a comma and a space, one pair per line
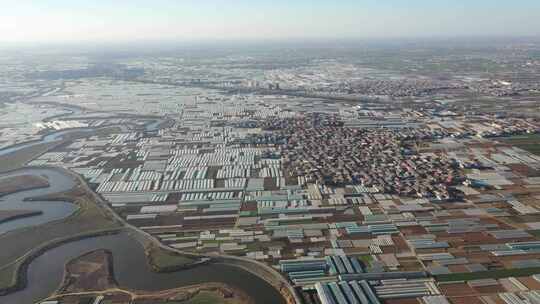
392, 176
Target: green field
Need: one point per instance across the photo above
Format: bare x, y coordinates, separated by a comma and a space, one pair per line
491, 274
366, 259
206, 297
536, 233
529, 142
163, 261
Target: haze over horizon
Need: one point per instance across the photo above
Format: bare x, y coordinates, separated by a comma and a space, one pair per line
60, 21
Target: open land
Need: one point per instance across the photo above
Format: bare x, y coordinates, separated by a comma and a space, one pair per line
162, 260
93, 275
17, 160
529, 142
21, 183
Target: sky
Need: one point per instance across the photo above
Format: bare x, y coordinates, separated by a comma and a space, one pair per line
39, 21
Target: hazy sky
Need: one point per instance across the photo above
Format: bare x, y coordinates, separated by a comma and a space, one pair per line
133, 20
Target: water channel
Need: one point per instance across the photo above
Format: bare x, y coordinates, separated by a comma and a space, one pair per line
130, 266
51, 211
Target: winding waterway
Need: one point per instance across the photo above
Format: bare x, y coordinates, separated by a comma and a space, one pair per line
51, 211
59, 135
132, 271
130, 266
52, 137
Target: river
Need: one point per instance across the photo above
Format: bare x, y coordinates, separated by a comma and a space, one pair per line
132, 271
130, 266
51, 211
59, 135
51, 137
